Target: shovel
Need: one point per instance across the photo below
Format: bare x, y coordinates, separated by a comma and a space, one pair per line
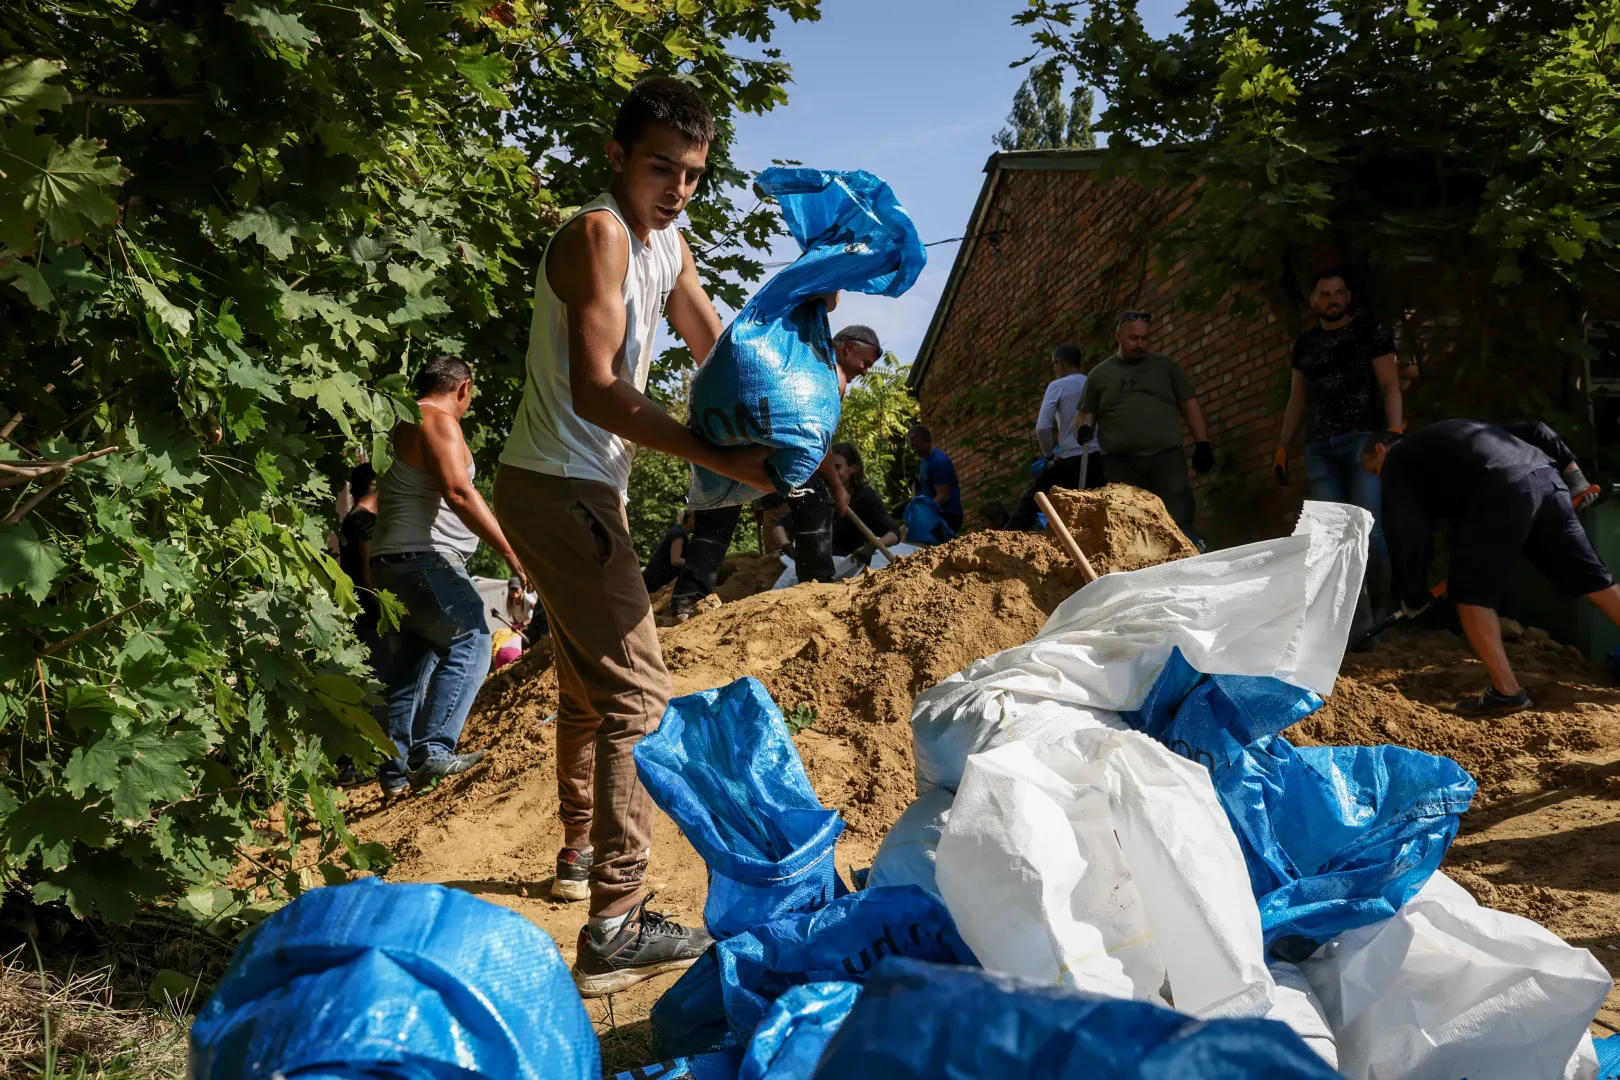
1388, 621
1065, 537
870, 539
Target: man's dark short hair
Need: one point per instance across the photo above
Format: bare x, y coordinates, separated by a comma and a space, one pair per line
659, 99
441, 375
919, 431
1323, 275
1385, 439
1069, 354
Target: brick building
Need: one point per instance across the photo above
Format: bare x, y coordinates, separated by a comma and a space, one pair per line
1053, 251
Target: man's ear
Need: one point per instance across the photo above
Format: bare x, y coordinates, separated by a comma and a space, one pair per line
617, 155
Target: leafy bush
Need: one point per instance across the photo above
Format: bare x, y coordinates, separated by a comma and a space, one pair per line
229, 231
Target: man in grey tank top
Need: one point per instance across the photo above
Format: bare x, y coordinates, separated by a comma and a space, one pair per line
430, 518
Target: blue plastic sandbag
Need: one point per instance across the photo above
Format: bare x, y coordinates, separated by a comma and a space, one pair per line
724, 767
771, 378
918, 1021
924, 523
798, 1028
718, 1066
722, 999
1608, 1055
395, 982
1335, 837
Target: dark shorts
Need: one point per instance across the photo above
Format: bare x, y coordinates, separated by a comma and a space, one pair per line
1531, 516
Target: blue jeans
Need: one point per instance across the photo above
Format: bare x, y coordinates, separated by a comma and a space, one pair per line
437, 659
1334, 473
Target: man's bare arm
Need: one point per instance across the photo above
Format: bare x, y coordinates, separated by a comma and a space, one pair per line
444, 455
690, 310
1295, 412
1389, 384
586, 268
836, 486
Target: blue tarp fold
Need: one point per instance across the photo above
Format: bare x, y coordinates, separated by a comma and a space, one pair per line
395, 982
723, 766
1335, 837
921, 1021
771, 378
722, 999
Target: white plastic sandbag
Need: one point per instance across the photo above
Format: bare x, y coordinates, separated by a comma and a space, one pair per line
906, 856
1449, 989
1104, 862
1281, 607
1298, 1006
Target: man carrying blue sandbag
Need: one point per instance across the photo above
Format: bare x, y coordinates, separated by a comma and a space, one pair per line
607, 278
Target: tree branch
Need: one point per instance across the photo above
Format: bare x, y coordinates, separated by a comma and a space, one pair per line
97, 99
79, 635
33, 470
36, 498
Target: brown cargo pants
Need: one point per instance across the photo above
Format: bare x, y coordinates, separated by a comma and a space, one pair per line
574, 542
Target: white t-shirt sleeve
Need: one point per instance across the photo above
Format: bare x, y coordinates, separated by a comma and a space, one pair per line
1046, 424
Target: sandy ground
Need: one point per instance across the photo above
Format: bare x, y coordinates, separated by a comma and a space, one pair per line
1540, 840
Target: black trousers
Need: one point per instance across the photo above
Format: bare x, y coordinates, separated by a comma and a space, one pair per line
1063, 473
811, 513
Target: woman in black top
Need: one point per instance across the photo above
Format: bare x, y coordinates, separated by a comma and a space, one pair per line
670, 556
864, 501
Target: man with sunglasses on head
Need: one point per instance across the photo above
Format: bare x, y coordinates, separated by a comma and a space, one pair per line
1135, 402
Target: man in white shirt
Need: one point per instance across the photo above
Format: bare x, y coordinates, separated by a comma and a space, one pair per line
1054, 430
608, 277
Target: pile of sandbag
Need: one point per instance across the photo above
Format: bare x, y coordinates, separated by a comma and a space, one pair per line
1111, 807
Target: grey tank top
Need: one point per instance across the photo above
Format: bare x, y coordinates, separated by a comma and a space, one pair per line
413, 516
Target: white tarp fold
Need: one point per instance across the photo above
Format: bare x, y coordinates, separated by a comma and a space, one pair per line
1280, 607
1104, 862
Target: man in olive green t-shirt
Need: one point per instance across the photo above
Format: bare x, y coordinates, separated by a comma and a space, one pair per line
1137, 400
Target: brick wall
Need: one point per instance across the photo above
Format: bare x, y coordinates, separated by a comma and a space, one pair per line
1069, 252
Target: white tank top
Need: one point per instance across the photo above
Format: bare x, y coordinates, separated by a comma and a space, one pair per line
547, 435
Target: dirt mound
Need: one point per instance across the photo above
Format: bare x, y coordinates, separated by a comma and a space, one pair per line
1121, 528
743, 574
1540, 839
1402, 691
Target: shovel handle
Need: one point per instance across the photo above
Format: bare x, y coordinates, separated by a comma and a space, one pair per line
1065, 537
870, 539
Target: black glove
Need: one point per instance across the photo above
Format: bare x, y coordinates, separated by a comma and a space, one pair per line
1083, 434
863, 554
1203, 458
1279, 466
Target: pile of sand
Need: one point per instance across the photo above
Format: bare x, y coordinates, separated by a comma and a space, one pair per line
1121, 528
741, 575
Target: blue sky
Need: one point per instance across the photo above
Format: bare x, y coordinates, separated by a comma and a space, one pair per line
911, 90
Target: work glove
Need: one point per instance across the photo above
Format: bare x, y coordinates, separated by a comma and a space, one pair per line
1203, 458
1279, 466
1582, 492
1083, 434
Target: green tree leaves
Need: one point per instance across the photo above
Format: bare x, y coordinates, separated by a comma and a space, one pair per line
28, 563
228, 235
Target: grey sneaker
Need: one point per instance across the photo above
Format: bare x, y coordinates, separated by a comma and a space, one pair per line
1492, 703
573, 880
437, 768
647, 944
393, 789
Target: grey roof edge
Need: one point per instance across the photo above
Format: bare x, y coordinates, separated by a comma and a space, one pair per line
1070, 160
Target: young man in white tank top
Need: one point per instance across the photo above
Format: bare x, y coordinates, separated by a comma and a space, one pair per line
607, 277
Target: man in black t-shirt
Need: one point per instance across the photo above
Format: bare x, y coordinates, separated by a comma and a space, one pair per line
1502, 491
1345, 388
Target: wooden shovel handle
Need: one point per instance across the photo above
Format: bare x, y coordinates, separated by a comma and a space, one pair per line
870, 539
1065, 537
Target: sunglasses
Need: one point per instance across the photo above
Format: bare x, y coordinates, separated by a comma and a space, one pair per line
1132, 316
